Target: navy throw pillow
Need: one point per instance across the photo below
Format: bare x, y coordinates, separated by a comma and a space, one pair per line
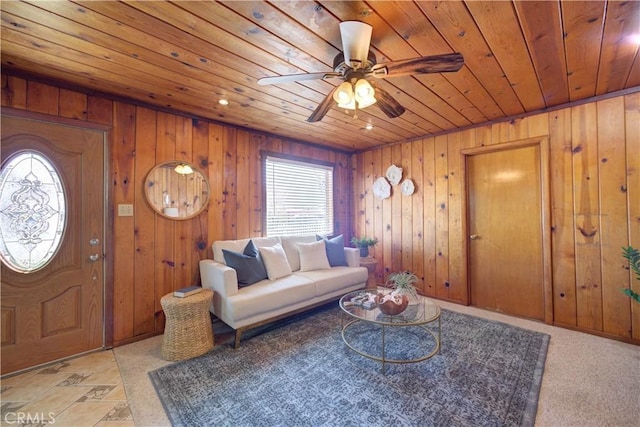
248, 265
251, 250
335, 250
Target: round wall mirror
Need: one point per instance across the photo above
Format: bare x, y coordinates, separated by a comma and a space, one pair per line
177, 190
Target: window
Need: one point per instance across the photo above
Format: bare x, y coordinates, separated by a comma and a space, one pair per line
298, 197
32, 211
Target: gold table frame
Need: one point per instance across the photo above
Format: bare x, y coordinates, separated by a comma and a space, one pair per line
426, 312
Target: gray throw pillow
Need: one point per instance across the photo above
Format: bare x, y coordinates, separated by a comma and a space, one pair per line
248, 265
335, 250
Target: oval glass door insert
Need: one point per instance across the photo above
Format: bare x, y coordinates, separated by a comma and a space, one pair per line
32, 211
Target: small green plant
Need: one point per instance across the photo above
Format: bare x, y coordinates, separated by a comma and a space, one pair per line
403, 282
363, 242
633, 256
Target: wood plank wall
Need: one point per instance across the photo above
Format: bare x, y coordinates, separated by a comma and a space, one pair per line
595, 202
595, 186
154, 255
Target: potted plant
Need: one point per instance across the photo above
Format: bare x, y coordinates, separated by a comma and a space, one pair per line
403, 283
633, 256
396, 301
363, 243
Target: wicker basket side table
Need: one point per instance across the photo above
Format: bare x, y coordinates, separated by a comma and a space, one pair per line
187, 331
371, 264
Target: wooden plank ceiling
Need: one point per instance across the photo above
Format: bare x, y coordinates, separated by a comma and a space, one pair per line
520, 57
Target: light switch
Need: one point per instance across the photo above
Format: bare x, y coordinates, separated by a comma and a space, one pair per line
125, 210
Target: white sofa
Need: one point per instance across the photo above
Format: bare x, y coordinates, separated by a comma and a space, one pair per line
246, 307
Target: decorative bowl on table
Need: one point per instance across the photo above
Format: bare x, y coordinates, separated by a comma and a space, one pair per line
392, 304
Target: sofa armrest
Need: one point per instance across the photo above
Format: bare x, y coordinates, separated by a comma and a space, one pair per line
352, 256
219, 278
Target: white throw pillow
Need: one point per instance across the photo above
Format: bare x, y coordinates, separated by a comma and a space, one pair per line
275, 261
313, 256
290, 246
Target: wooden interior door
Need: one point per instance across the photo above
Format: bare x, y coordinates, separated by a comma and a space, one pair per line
504, 192
57, 311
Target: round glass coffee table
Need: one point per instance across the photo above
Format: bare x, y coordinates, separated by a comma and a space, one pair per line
354, 305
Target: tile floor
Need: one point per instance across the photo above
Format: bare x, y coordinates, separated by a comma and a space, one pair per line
85, 391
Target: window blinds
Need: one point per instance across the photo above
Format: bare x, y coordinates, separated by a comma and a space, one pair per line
298, 197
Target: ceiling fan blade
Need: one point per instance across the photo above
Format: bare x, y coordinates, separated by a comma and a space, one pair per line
427, 64
323, 108
296, 78
386, 102
356, 37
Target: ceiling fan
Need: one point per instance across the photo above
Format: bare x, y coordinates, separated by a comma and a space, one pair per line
356, 64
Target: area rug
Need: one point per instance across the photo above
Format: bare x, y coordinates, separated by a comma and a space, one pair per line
487, 373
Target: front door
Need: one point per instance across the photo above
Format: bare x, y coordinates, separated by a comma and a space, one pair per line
52, 231
505, 224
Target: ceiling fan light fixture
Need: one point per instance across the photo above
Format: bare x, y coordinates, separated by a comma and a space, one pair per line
364, 93
348, 106
344, 94
367, 103
352, 96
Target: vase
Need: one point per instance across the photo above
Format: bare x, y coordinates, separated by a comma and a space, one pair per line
364, 251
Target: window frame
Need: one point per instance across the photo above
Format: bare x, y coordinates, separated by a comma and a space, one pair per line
306, 160
62, 196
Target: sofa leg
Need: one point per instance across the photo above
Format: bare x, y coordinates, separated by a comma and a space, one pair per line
238, 335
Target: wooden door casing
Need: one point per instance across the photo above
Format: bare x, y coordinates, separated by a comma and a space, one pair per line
58, 311
508, 236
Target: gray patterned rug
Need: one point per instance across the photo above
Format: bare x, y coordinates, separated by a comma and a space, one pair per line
302, 374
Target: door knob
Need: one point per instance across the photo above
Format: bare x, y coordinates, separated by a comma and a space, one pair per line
473, 236
94, 257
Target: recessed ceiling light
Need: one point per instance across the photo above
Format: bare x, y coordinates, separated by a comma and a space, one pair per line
368, 126
635, 38
223, 102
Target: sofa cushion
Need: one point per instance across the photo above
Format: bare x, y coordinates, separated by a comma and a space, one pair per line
313, 256
275, 261
335, 250
261, 242
248, 265
328, 281
290, 245
268, 296
229, 245
238, 245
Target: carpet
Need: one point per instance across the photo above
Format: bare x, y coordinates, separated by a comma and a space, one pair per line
487, 373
